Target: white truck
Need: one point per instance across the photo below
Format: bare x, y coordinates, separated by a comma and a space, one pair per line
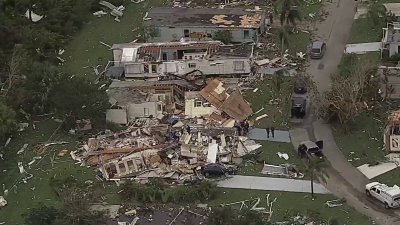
390, 196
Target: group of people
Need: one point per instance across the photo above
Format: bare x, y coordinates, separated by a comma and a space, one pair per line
243, 128
270, 130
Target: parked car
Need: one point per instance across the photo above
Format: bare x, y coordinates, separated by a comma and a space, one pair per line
390, 196
216, 170
298, 107
318, 49
309, 149
300, 86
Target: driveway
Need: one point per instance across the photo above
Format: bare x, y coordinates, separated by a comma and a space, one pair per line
344, 180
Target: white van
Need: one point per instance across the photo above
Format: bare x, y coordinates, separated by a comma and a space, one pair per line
390, 196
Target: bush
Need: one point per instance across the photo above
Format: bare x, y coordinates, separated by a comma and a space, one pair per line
158, 192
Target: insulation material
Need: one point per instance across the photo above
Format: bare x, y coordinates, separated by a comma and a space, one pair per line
212, 153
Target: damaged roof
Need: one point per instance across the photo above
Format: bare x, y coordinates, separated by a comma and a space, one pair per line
204, 17
244, 50
232, 104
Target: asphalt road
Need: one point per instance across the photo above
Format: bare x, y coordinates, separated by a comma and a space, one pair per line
344, 179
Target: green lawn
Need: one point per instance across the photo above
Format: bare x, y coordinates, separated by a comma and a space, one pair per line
364, 139
85, 48
290, 204
363, 30
38, 189
269, 156
390, 178
278, 112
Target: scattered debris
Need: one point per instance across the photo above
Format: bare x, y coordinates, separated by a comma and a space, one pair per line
22, 149
335, 203
33, 16
22, 126
260, 117
283, 155
3, 202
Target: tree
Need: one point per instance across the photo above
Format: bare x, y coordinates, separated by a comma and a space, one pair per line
79, 97
376, 12
43, 215
288, 12
353, 90
284, 38
317, 168
225, 36
7, 120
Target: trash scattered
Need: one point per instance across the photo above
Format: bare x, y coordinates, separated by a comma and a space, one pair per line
260, 117
22, 126
62, 152
283, 155
33, 16
21, 168
55, 143
3, 202
255, 90
335, 203
22, 149
115, 11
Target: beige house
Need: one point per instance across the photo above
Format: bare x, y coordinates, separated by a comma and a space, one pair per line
197, 106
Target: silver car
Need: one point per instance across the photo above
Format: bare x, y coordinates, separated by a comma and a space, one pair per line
318, 49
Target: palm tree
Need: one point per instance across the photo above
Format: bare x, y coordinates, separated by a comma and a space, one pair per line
376, 12
284, 38
288, 12
317, 168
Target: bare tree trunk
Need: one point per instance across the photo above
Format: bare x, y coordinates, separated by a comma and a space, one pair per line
312, 184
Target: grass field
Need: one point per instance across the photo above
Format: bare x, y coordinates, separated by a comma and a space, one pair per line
86, 50
278, 111
269, 156
289, 204
363, 30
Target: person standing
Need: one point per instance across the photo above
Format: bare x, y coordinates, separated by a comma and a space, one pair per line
273, 132
267, 129
271, 19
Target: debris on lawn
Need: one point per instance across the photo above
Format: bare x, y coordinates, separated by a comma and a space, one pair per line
335, 203
3, 201
283, 155
117, 12
22, 149
175, 146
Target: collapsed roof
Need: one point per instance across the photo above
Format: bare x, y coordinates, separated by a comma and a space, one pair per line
232, 104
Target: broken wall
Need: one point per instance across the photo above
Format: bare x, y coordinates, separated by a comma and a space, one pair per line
176, 33
144, 109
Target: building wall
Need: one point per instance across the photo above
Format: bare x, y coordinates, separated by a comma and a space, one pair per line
144, 109
208, 67
393, 48
197, 111
176, 33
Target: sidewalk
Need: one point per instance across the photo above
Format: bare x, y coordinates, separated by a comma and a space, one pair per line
272, 184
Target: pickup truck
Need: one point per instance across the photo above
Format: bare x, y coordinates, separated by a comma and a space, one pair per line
390, 196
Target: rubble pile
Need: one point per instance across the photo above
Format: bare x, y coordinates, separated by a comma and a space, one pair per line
176, 147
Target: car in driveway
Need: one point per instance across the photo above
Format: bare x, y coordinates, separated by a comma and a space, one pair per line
309, 149
300, 86
389, 196
298, 107
318, 49
216, 170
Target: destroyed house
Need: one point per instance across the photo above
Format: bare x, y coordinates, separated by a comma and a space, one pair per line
131, 99
130, 103
171, 24
391, 136
151, 60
